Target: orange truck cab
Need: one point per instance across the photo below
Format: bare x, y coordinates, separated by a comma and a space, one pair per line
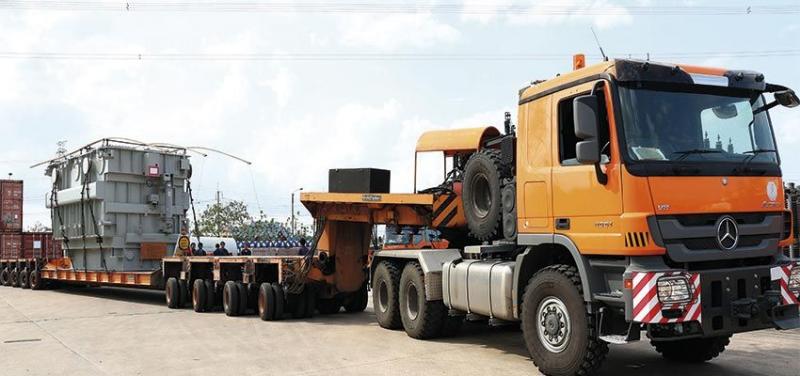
631, 196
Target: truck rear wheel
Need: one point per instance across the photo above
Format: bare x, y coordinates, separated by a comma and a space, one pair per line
242, 298
266, 302
36, 280
385, 301
481, 194
5, 277
230, 299
172, 293
280, 300
24, 280
695, 350
183, 293
199, 299
211, 295
558, 332
422, 319
14, 277
358, 300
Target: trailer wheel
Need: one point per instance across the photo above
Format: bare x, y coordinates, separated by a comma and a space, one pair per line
199, 299
183, 293
14, 278
24, 282
242, 298
311, 301
266, 302
422, 319
329, 306
385, 302
230, 299
695, 350
481, 194
172, 293
558, 332
280, 300
36, 280
5, 277
358, 300
211, 295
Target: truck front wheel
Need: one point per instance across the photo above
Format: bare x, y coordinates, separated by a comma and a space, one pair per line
558, 331
695, 350
386, 282
422, 319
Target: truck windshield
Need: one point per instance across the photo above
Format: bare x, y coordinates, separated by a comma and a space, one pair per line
696, 127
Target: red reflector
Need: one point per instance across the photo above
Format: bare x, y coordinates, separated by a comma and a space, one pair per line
628, 284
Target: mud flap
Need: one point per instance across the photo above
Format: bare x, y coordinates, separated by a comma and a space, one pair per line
786, 317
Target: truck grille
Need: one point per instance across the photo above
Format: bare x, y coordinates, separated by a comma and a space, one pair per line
693, 237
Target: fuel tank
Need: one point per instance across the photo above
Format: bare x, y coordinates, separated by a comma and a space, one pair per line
483, 287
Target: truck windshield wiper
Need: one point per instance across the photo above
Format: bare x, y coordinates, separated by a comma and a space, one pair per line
686, 153
749, 158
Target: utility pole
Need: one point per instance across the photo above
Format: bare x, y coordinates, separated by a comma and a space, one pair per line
293, 218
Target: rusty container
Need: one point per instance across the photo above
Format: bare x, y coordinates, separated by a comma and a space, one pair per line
10, 246
10, 206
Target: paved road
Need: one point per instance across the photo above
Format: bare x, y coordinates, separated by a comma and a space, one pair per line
96, 331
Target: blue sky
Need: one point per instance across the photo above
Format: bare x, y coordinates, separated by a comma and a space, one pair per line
295, 119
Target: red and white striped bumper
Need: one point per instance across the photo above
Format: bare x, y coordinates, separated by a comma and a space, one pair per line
781, 274
648, 309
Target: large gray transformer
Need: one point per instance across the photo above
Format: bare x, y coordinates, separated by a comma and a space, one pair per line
119, 206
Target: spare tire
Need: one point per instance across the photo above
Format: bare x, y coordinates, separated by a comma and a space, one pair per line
481, 194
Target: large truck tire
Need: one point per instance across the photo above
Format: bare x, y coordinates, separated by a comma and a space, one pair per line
266, 302
481, 194
243, 295
24, 279
694, 350
183, 293
385, 295
230, 299
199, 298
211, 295
5, 277
36, 280
422, 319
329, 306
172, 293
14, 278
558, 332
358, 301
280, 300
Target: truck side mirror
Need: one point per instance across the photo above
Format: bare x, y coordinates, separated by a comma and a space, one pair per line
584, 111
787, 98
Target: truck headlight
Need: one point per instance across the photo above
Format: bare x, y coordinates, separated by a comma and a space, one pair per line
673, 290
794, 279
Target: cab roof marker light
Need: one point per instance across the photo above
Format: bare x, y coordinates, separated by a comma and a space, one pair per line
709, 80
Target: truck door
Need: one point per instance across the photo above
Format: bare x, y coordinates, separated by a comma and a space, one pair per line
584, 208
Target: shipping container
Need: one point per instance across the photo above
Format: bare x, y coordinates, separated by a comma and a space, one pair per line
10, 206
10, 246
40, 244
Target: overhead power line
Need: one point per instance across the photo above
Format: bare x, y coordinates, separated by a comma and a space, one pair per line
398, 7
376, 56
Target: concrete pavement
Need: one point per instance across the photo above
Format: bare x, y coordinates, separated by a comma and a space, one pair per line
99, 331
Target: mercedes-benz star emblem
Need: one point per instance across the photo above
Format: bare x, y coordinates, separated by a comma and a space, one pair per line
727, 233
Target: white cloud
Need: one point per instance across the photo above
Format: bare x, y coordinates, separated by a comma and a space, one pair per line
395, 31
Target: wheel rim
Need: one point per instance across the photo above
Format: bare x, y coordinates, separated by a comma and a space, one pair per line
482, 198
553, 323
412, 302
383, 297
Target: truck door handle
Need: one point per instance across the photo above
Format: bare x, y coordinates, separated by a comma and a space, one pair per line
562, 223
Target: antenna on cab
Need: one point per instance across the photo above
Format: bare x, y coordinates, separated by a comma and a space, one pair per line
605, 58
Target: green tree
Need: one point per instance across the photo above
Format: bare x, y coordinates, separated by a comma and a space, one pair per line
224, 219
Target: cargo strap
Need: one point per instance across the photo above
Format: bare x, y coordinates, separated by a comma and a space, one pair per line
57, 210
194, 214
